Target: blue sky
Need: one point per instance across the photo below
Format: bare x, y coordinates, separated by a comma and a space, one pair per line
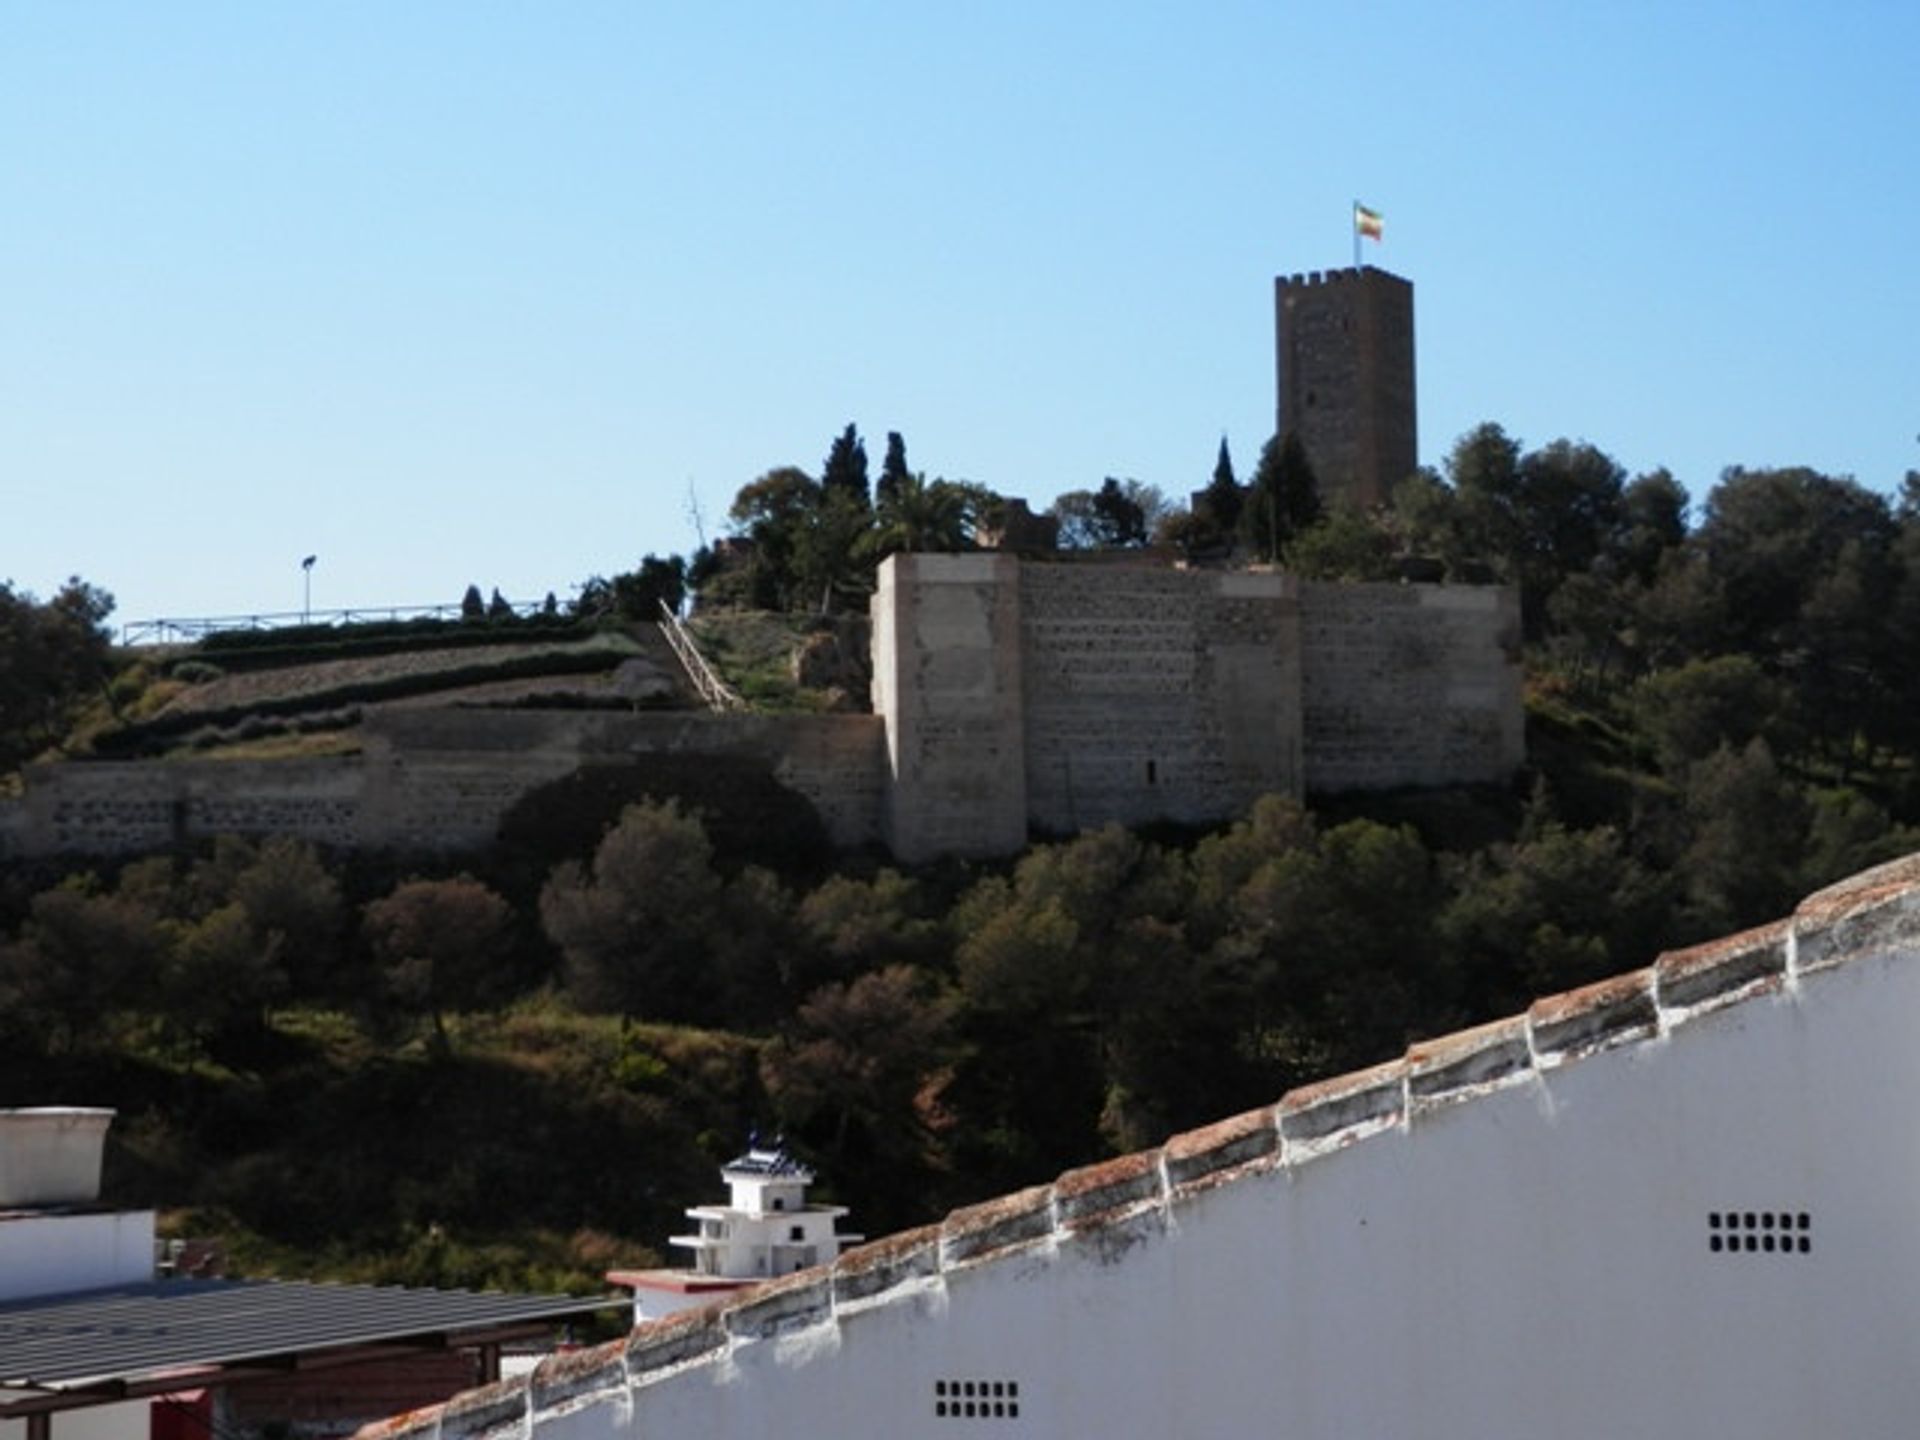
451, 292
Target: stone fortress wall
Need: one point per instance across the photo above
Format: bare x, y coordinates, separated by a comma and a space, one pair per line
1010, 697
1046, 697
431, 781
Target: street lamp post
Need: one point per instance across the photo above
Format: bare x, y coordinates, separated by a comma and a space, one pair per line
306, 594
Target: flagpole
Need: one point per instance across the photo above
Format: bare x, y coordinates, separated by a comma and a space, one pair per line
1353, 220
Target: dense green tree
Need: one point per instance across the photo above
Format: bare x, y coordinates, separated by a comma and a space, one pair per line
1571, 511
1687, 713
1808, 568
770, 515
1554, 910
916, 515
1536, 517
1487, 511
830, 554
859, 1068
294, 905
1113, 517
1746, 826
652, 929
54, 657
218, 975
1771, 537
852, 925
639, 594
1681, 615
1846, 833
1653, 525
86, 957
1060, 965
1283, 498
1343, 545
441, 945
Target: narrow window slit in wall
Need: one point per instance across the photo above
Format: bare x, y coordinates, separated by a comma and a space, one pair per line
1760, 1232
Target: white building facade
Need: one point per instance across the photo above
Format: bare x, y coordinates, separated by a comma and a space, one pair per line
1680, 1203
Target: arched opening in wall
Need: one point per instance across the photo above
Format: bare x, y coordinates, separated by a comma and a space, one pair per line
751, 818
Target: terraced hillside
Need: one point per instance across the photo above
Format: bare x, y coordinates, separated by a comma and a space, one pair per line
308, 694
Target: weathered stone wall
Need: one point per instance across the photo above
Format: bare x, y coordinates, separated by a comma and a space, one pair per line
1409, 685
125, 807
947, 684
446, 777
432, 780
1156, 694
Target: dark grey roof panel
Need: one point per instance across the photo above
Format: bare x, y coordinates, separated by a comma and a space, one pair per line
136, 1332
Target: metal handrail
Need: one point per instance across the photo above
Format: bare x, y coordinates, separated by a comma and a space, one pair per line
181, 630
716, 692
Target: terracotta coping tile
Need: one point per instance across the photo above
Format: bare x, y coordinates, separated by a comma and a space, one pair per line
1224, 1145
1685, 978
568, 1374
883, 1264
1606, 1013
492, 1407
1016, 1219
1873, 913
1311, 1112
1862, 891
1080, 1196
674, 1338
1468, 1058
788, 1303
424, 1421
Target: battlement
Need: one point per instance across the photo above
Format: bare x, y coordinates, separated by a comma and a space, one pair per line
1345, 276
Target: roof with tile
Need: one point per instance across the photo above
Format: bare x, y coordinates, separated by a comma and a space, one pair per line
1871, 915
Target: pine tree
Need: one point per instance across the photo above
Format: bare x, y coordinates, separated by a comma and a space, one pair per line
893, 470
846, 469
1222, 500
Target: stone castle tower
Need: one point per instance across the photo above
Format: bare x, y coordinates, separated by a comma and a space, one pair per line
1345, 351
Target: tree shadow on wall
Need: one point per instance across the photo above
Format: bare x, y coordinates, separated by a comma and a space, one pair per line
751, 818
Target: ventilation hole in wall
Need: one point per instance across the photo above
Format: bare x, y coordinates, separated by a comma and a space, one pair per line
1759, 1232
976, 1399
1152, 772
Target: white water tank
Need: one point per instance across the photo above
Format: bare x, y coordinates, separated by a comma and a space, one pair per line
50, 1155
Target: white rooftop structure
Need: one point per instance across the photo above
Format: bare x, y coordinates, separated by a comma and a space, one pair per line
767, 1228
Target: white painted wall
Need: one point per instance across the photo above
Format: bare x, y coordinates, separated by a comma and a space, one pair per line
54, 1254
50, 1253
1525, 1259
129, 1420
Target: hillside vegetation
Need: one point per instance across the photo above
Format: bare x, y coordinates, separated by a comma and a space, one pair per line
518, 1068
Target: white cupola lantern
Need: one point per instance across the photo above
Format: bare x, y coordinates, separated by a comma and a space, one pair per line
767, 1228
